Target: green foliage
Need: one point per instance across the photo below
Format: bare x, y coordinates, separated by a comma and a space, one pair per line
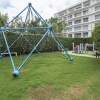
3, 19
20, 23
58, 26
23, 46
96, 36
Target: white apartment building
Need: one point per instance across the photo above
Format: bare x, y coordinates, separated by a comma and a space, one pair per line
80, 18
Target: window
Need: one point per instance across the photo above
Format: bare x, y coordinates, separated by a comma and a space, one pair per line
87, 3
97, 16
79, 6
69, 23
77, 21
77, 35
85, 19
65, 18
69, 35
69, 29
97, 8
77, 14
70, 16
98, 0
61, 14
85, 12
71, 9
85, 34
77, 28
85, 27
66, 12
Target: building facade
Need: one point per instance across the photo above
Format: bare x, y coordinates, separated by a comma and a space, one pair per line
80, 18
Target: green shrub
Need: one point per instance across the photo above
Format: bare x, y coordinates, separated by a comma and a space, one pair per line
96, 36
26, 44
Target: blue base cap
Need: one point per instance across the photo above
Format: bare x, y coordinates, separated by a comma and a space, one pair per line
29, 4
71, 59
50, 27
15, 73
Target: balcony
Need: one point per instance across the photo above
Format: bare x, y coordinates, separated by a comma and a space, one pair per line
77, 7
70, 9
85, 12
78, 28
77, 35
97, 17
78, 14
85, 19
85, 27
77, 21
70, 17
85, 34
97, 8
69, 23
70, 29
97, 0
86, 4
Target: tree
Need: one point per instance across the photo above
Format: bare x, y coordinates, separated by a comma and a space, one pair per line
3, 19
58, 26
96, 36
17, 23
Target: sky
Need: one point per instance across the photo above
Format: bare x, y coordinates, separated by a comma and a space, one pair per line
46, 8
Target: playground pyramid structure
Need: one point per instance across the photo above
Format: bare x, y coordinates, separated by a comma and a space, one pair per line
30, 20
27, 16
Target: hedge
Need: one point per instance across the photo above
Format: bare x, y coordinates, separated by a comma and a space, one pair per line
25, 45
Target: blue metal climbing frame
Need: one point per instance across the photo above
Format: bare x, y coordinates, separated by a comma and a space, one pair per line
49, 30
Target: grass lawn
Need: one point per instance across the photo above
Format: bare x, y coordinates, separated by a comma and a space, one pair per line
49, 76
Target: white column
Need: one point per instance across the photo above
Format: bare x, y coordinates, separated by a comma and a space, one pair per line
73, 46
78, 49
93, 46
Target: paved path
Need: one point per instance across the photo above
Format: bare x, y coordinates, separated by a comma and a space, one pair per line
84, 55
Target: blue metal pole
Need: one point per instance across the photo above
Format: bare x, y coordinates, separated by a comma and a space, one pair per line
23, 63
61, 45
16, 16
8, 50
32, 28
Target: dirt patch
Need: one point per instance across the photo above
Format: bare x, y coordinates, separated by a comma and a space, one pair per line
75, 90
72, 93
41, 93
47, 93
